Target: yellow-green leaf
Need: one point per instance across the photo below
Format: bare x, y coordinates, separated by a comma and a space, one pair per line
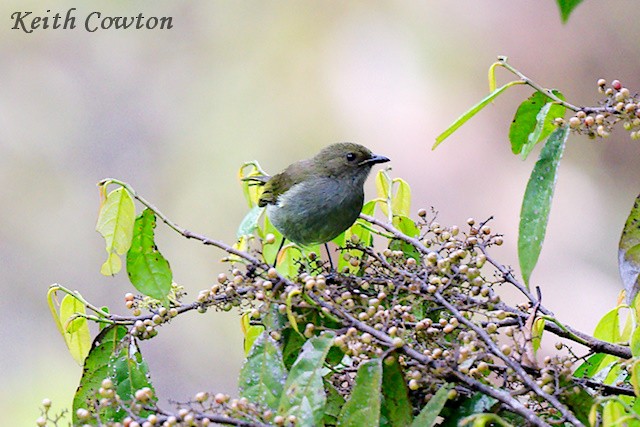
75, 329
608, 328
115, 224
383, 188
472, 112
536, 333
401, 201
629, 252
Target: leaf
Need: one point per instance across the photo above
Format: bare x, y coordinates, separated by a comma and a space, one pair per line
429, 413
251, 332
263, 374
401, 201
635, 342
364, 237
536, 204
536, 333
304, 394
629, 252
252, 189
608, 328
363, 406
590, 367
115, 224
75, 332
472, 112
545, 124
383, 189
250, 222
612, 412
148, 271
534, 122
335, 401
566, 7
396, 407
114, 355
635, 377
524, 121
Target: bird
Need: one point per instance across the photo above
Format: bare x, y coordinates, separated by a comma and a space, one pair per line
314, 200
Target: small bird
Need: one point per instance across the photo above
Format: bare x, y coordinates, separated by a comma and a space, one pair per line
314, 200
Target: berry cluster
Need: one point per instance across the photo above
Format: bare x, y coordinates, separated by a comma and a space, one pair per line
619, 105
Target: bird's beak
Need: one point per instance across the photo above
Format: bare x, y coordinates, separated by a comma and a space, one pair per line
375, 159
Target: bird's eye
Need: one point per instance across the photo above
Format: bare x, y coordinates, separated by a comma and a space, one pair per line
351, 157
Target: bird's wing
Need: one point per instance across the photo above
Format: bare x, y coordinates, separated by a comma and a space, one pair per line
280, 183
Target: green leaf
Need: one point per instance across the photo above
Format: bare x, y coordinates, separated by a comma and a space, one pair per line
608, 328
148, 271
429, 413
364, 237
251, 332
115, 224
566, 7
536, 204
383, 190
304, 394
249, 222
545, 124
472, 112
396, 407
629, 252
524, 121
263, 374
635, 342
407, 226
363, 406
334, 405
612, 412
401, 201
534, 122
590, 367
635, 377
114, 355
76, 332
536, 333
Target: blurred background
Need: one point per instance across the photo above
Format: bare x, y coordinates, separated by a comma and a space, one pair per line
175, 113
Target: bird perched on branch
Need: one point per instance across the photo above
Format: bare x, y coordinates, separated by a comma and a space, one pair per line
314, 200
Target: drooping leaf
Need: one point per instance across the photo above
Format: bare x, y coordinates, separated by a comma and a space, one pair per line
75, 332
635, 342
252, 188
472, 112
116, 356
429, 413
335, 401
115, 224
566, 7
148, 270
635, 377
629, 252
608, 328
263, 374
396, 407
612, 413
365, 238
363, 406
249, 222
401, 201
251, 332
304, 394
545, 124
536, 204
524, 121
383, 190
536, 333
534, 122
